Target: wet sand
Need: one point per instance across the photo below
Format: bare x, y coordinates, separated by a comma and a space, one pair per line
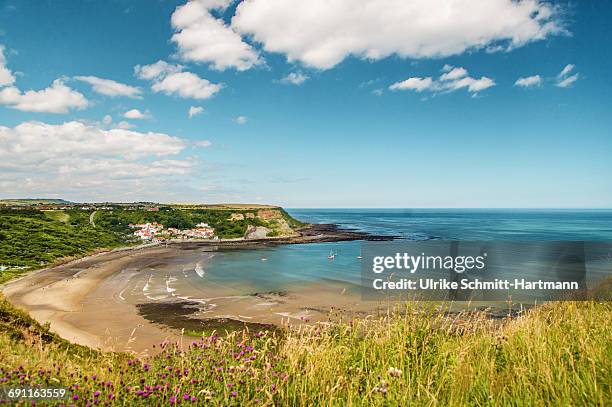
81, 302
130, 300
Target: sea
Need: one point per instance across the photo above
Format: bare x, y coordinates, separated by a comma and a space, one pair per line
470, 224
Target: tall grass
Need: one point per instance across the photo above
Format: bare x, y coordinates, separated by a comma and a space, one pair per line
556, 354
559, 354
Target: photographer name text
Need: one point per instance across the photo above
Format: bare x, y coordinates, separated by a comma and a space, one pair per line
476, 284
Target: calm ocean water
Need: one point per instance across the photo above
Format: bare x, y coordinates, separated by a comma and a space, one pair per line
282, 268
470, 224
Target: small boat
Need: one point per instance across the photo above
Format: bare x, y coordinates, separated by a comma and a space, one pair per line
332, 255
360, 255
264, 259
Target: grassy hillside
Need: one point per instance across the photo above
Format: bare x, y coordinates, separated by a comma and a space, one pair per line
118, 220
34, 238
33, 201
557, 354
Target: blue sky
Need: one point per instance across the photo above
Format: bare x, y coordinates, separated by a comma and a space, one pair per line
319, 104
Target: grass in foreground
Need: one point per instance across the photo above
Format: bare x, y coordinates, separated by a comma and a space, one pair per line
557, 354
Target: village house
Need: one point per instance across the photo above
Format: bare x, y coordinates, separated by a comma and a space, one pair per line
146, 231
156, 231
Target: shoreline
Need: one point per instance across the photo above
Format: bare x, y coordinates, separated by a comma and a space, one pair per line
59, 295
73, 260
80, 298
313, 233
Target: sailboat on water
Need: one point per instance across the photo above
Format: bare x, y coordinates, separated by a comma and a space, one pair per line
332, 255
360, 255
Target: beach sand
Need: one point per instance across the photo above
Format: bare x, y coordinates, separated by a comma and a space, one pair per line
128, 300
82, 307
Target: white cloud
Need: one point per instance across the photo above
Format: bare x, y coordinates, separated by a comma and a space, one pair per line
294, 78
564, 79
39, 141
377, 92
202, 144
77, 158
417, 84
241, 120
322, 33
200, 37
58, 98
107, 120
137, 114
565, 71
172, 80
6, 76
124, 125
529, 81
472, 84
109, 87
195, 110
569, 81
453, 78
186, 85
157, 70
452, 73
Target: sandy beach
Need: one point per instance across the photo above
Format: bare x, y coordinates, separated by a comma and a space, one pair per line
130, 300
81, 307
